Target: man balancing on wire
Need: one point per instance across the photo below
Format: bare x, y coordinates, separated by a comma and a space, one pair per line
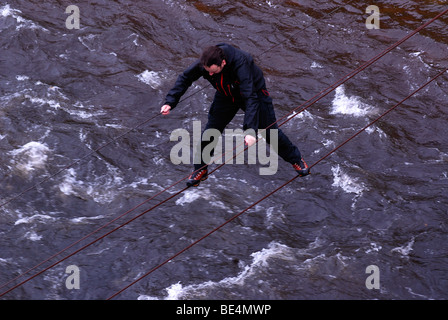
239, 83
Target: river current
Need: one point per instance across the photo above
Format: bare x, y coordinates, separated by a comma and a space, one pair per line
380, 200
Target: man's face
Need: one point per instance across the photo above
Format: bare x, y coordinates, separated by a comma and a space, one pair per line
215, 69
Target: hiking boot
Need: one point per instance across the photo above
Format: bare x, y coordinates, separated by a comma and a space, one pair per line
196, 177
301, 168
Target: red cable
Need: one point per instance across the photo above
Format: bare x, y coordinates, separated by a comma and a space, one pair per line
272, 192
202, 238
381, 116
88, 235
75, 162
89, 154
361, 68
333, 87
90, 243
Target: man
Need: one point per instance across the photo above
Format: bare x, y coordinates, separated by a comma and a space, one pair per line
239, 83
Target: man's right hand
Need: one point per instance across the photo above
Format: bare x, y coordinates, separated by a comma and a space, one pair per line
165, 109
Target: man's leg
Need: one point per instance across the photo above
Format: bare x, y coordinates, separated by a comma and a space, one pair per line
284, 147
220, 114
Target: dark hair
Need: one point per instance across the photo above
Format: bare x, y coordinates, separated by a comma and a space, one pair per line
212, 55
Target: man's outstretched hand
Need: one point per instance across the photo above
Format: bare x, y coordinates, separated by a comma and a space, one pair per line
165, 110
249, 140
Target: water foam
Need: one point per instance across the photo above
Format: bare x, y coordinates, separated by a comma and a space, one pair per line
7, 11
190, 196
32, 220
345, 182
343, 104
33, 236
406, 249
260, 261
151, 78
37, 217
103, 189
30, 157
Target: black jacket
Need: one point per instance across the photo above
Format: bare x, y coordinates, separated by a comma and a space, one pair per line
239, 80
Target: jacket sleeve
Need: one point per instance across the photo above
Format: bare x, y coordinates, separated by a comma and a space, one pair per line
183, 82
243, 70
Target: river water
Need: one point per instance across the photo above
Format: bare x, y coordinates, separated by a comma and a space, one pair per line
381, 200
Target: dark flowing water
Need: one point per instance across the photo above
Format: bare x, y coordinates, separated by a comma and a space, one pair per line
380, 200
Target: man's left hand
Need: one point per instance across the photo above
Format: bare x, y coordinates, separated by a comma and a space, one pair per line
249, 140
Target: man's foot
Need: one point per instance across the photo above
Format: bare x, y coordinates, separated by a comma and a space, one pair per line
301, 168
196, 177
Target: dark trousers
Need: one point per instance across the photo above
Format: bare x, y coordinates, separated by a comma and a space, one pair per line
223, 110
